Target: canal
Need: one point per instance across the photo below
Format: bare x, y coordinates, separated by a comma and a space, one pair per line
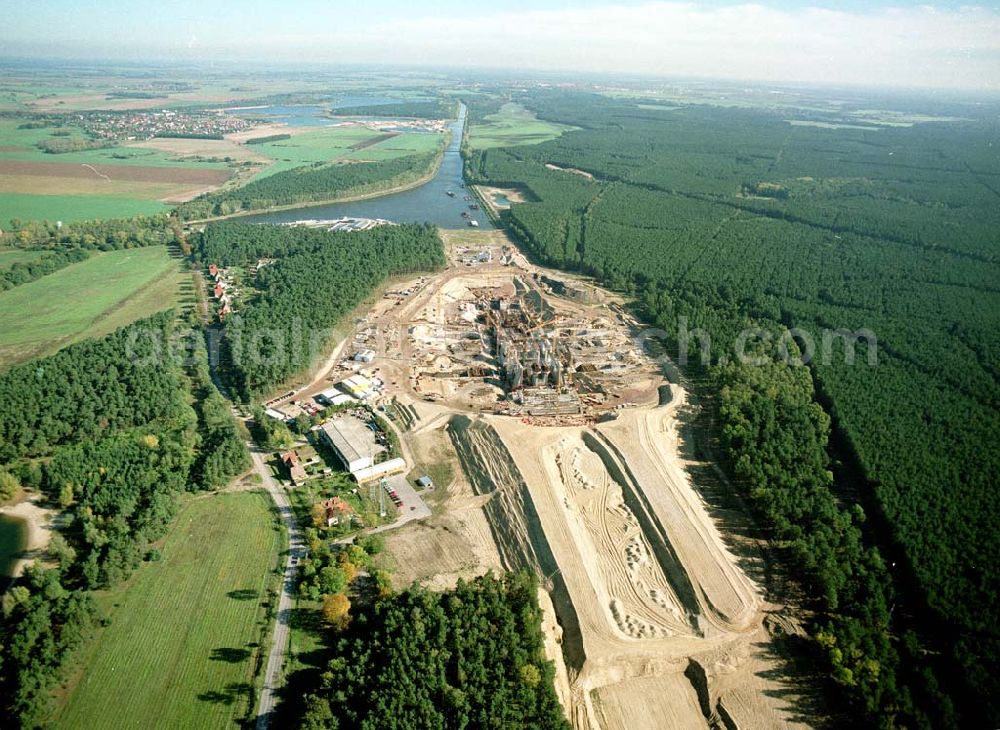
428, 203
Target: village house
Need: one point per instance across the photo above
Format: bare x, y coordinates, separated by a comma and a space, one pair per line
296, 471
334, 510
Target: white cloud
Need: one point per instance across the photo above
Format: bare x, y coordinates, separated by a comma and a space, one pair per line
904, 46
917, 46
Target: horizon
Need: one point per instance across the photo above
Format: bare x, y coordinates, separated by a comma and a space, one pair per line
946, 46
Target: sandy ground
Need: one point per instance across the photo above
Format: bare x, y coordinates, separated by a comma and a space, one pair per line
266, 130
39, 522
571, 170
649, 617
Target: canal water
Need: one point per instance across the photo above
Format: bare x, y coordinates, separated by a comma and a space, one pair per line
428, 203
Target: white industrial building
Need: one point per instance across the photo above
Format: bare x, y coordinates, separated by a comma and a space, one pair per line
333, 397
382, 469
358, 386
352, 441
364, 356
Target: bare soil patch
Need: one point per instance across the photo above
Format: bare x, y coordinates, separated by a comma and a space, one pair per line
126, 173
206, 148
373, 140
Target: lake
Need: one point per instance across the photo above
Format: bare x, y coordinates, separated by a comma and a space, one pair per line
308, 115
428, 203
13, 540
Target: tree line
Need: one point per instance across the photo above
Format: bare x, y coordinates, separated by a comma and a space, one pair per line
71, 243
309, 184
430, 109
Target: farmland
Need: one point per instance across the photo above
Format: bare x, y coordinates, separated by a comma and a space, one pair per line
513, 125
86, 299
327, 144
70, 208
116, 181
183, 641
142, 177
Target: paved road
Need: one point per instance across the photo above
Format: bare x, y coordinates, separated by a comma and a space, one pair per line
279, 638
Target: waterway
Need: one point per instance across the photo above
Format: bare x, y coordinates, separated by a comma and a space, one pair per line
428, 203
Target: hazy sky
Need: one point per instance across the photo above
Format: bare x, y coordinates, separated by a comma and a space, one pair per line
947, 44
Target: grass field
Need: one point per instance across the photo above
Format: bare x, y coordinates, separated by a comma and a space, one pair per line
71, 208
88, 299
182, 647
11, 256
513, 125
334, 143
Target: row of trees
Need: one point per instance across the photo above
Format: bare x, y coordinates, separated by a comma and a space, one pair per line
311, 183
900, 244
775, 438
70, 243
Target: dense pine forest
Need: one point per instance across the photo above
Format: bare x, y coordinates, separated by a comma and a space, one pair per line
470, 657
310, 184
318, 278
105, 429
722, 219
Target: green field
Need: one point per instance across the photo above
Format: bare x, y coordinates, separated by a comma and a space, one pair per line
513, 125
333, 143
183, 642
70, 208
19, 144
11, 256
87, 299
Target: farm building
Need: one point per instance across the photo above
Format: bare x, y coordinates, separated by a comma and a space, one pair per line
352, 441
